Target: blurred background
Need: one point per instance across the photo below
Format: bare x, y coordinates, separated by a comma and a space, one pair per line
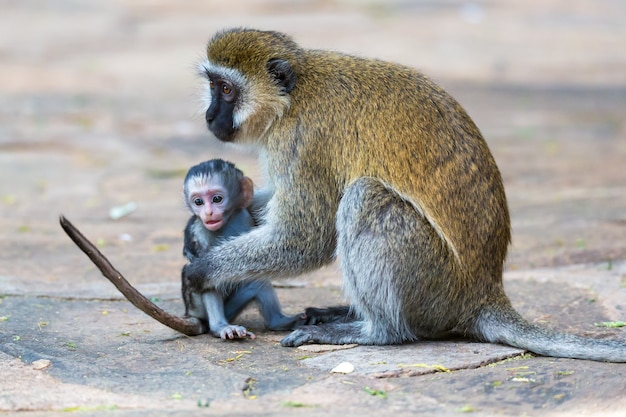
99, 107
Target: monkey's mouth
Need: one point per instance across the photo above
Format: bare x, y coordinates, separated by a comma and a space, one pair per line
222, 133
213, 225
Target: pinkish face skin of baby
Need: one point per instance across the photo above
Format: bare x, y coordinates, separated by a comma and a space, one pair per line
211, 203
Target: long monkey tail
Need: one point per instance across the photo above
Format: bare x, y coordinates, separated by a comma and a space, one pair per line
504, 325
189, 326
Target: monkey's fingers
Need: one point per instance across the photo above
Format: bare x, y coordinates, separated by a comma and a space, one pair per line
188, 326
232, 331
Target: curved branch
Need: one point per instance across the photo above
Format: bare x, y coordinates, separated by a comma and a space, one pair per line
189, 326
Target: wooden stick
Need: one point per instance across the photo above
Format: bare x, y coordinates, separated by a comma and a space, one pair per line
187, 325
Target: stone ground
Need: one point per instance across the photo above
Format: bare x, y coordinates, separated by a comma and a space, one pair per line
99, 107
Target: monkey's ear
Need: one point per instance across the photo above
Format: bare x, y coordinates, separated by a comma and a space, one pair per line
283, 73
247, 192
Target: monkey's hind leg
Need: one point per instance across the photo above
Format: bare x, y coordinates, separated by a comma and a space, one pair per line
218, 325
374, 262
208, 308
269, 306
267, 301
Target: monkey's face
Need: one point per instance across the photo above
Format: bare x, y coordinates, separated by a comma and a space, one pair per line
247, 87
224, 96
211, 202
228, 102
239, 111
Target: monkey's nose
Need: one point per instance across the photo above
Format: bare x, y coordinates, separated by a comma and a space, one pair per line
209, 116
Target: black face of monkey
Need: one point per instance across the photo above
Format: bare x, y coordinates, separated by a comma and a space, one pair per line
234, 112
219, 115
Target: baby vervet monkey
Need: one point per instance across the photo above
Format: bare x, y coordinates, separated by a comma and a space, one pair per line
217, 195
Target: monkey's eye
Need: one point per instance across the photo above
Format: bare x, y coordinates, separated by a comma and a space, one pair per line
229, 92
198, 201
211, 84
217, 199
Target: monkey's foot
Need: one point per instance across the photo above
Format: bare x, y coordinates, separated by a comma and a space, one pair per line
315, 315
300, 336
232, 331
332, 333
